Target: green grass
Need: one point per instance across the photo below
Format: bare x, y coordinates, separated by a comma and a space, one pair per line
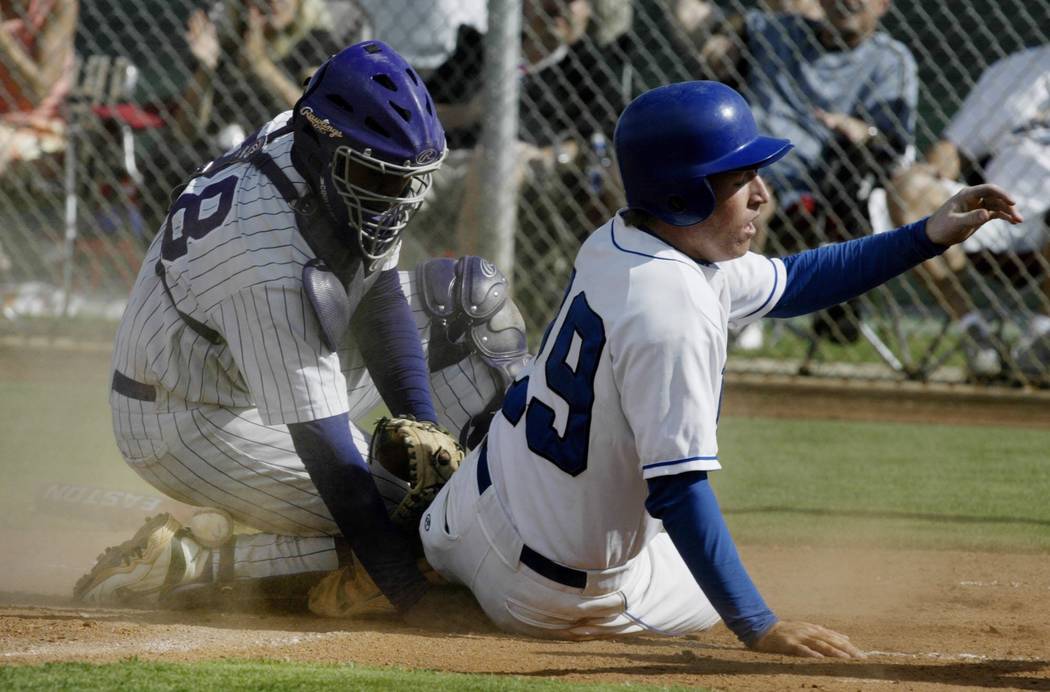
264, 675
784, 481
906, 485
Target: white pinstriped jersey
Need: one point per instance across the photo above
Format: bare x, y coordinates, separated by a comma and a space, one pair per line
234, 262
627, 386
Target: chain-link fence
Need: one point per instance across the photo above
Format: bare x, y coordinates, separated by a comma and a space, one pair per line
889, 114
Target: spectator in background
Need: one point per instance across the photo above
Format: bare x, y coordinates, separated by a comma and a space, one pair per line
575, 80
249, 60
424, 31
1001, 135
671, 35
810, 9
845, 93
148, 35
211, 76
37, 62
253, 56
842, 91
558, 74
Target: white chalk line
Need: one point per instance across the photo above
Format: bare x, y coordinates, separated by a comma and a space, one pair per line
938, 656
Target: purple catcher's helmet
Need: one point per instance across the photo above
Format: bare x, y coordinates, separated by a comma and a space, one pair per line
366, 129
670, 139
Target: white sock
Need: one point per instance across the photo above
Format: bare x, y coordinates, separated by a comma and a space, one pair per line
259, 555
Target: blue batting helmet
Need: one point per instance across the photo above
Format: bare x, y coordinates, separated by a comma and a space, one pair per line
670, 139
369, 139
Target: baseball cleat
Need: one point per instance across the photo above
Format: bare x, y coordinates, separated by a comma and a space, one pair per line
160, 556
348, 592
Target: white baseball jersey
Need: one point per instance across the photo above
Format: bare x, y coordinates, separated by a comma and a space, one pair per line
233, 259
548, 525
1006, 119
627, 386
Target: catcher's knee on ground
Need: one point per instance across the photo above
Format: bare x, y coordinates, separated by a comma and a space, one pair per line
203, 564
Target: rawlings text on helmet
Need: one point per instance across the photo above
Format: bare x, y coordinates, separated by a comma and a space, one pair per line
322, 125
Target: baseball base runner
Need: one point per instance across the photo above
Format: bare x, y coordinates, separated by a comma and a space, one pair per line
587, 512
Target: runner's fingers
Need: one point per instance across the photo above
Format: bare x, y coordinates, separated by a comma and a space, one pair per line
804, 651
828, 649
974, 195
1002, 206
839, 642
1010, 217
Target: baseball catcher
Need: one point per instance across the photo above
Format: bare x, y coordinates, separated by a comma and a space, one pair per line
267, 313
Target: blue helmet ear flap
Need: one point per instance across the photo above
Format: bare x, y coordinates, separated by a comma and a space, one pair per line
687, 206
679, 203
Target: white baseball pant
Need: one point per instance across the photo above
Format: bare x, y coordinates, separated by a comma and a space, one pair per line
469, 539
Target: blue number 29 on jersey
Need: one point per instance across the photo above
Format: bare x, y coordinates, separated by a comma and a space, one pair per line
574, 384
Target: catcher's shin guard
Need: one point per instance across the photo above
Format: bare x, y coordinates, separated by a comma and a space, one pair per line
160, 556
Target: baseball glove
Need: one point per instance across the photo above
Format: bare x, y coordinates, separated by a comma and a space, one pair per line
419, 453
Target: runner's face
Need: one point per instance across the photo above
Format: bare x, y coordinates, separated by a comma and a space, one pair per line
727, 233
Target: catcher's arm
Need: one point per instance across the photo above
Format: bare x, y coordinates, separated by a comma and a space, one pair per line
345, 484
385, 331
419, 452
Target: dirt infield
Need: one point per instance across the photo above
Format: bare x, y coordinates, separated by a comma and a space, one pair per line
930, 620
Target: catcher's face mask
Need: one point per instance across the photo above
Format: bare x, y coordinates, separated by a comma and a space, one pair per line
367, 125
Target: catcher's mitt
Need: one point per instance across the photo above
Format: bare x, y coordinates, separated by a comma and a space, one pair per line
420, 453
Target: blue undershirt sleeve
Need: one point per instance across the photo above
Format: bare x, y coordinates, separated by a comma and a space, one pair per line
828, 275
686, 504
346, 486
386, 333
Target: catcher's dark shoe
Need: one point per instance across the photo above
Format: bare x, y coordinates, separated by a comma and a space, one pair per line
984, 362
1032, 356
160, 556
839, 324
